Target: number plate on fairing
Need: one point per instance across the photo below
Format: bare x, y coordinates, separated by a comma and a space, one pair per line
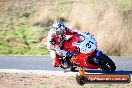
87, 45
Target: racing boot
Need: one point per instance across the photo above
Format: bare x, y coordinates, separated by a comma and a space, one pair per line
56, 62
55, 58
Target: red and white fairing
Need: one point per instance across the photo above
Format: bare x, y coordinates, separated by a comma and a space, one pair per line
87, 44
59, 43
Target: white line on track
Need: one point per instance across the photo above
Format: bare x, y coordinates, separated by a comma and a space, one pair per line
44, 72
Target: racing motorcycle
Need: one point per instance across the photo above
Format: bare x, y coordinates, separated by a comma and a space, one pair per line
83, 52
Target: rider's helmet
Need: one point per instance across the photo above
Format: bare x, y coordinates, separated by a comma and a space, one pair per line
59, 27
58, 30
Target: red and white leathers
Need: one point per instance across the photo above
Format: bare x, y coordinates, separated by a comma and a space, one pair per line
54, 49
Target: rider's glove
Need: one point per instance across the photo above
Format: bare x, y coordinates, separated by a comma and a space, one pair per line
53, 41
70, 54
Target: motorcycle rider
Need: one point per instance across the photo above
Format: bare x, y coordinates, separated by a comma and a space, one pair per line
55, 40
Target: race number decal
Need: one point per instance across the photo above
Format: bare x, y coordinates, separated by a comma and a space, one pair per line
89, 44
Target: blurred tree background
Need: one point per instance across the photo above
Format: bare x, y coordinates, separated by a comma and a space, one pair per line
25, 23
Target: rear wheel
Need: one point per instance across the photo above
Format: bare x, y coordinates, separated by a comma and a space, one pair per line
106, 64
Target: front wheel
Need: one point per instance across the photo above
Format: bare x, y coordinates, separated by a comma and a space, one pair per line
71, 68
106, 64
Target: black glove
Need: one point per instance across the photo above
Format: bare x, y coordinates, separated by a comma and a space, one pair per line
53, 41
77, 50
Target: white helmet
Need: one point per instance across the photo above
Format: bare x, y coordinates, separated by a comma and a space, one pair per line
58, 25
59, 28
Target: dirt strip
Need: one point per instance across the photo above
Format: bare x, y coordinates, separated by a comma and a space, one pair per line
33, 80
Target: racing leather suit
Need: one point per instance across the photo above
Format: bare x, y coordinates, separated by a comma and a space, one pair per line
54, 47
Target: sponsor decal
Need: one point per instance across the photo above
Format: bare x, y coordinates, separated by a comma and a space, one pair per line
118, 78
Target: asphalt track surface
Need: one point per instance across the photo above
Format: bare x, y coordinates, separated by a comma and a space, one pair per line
43, 63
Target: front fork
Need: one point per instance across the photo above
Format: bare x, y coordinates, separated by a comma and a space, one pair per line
96, 55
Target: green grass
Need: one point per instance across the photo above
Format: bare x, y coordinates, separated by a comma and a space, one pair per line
18, 36
124, 1
96, 2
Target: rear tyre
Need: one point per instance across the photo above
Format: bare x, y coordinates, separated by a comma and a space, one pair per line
106, 64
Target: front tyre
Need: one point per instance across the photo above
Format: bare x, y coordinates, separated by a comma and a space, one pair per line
73, 69
106, 64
